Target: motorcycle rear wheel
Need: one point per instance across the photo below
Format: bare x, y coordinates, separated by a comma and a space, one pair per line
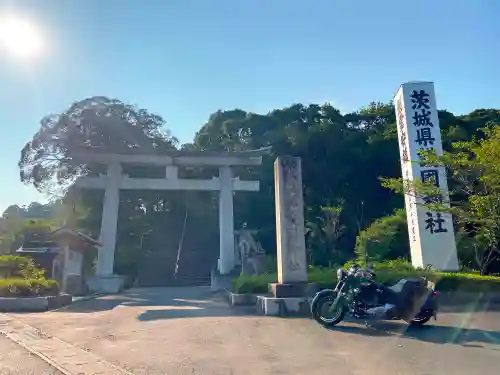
325, 304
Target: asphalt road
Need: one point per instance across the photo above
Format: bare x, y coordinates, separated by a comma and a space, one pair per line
188, 331
15, 360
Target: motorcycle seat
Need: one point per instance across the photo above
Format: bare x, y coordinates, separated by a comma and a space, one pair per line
398, 287
405, 284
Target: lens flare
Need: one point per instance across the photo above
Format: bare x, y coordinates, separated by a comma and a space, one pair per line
20, 38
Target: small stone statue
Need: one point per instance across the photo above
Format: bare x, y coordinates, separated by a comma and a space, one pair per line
252, 254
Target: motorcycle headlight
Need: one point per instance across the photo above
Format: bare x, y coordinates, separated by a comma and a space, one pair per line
340, 274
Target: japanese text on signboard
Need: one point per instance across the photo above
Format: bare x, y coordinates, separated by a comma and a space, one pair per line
425, 139
402, 131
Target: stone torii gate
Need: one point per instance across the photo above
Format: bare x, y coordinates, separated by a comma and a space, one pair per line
114, 181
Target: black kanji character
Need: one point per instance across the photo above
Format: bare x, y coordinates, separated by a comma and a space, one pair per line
413, 230
420, 99
401, 123
435, 225
403, 137
430, 175
404, 149
422, 118
405, 156
424, 137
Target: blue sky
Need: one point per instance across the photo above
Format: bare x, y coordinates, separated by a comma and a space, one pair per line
184, 59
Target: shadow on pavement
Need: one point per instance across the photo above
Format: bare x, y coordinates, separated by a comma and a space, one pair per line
164, 303
193, 312
436, 334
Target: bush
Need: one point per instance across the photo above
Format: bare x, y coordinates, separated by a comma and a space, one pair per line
397, 265
259, 284
252, 284
387, 272
385, 238
12, 266
28, 287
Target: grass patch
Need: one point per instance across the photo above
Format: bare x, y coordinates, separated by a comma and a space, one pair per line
387, 272
16, 287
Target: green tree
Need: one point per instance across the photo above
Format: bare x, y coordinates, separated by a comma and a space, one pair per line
50, 160
323, 237
474, 168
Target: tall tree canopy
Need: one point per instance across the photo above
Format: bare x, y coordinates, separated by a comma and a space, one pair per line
97, 122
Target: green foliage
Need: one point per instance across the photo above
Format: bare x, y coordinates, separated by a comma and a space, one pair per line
19, 230
385, 238
475, 199
253, 284
387, 272
393, 265
15, 287
50, 160
12, 266
324, 234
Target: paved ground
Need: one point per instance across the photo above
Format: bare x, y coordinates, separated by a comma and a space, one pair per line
188, 331
15, 360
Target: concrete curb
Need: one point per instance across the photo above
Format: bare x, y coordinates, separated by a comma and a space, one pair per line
39, 355
80, 299
61, 355
86, 298
34, 304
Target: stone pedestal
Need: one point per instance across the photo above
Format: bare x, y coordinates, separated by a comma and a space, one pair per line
293, 306
110, 284
293, 290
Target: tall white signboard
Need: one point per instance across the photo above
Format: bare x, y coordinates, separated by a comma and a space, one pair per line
432, 238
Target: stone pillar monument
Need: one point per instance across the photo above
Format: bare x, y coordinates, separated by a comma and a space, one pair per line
290, 295
290, 234
432, 238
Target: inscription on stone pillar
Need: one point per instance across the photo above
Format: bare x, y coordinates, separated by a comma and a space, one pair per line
292, 266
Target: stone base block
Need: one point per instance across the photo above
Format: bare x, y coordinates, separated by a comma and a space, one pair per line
34, 304
236, 299
293, 290
295, 306
111, 284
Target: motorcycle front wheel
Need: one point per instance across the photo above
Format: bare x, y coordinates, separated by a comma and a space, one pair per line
324, 311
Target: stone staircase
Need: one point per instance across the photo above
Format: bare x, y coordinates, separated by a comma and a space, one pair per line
195, 264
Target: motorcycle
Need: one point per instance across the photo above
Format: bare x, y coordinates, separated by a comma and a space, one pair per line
357, 293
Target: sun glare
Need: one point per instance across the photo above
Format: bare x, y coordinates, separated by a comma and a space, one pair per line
19, 37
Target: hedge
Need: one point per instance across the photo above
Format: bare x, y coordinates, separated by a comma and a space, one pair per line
386, 273
16, 287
